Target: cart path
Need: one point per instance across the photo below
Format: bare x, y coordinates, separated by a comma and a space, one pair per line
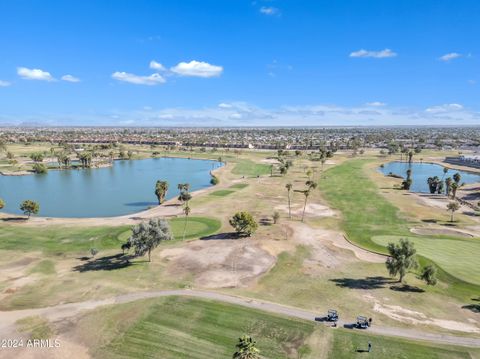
62, 311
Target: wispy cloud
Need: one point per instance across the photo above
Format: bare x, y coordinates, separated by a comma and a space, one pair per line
157, 66
34, 74
70, 78
450, 56
376, 104
375, 54
4, 83
151, 80
197, 69
269, 10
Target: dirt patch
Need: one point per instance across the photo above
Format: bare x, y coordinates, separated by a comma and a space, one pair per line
441, 231
328, 246
219, 263
312, 210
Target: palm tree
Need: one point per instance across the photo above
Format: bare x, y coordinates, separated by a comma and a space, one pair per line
161, 188
246, 348
186, 211
448, 186
289, 186
445, 171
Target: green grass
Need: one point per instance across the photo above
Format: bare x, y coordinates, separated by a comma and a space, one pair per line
459, 257
179, 327
239, 186
365, 212
45, 266
221, 193
197, 227
36, 326
57, 240
250, 168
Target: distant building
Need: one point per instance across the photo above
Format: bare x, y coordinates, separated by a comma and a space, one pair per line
465, 160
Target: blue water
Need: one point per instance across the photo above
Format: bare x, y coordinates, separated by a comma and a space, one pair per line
126, 187
421, 172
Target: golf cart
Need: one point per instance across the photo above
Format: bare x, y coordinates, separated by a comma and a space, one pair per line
362, 322
332, 315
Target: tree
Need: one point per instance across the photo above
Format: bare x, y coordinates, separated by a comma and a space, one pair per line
275, 217
311, 185
452, 207
448, 186
29, 207
246, 348
244, 223
406, 184
2, 203
93, 252
184, 195
402, 258
161, 189
433, 184
289, 186
429, 275
146, 236
37, 157
40, 168
186, 211
454, 187
410, 156
457, 177
126, 247
445, 171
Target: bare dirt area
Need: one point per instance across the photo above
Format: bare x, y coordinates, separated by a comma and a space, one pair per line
312, 210
329, 246
219, 263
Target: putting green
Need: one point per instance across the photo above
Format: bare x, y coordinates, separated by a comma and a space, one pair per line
221, 193
459, 257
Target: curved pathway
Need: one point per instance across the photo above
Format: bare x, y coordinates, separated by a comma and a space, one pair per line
58, 312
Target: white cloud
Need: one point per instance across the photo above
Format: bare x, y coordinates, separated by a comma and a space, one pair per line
157, 66
375, 54
4, 83
450, 56
449, 107
376, 104
70, 78
269, 10
197, 69
34, 74
151, 80
224, 105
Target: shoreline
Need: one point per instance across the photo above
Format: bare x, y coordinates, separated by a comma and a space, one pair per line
169, 208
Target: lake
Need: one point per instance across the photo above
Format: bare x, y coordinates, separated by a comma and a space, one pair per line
421, 172
126, 187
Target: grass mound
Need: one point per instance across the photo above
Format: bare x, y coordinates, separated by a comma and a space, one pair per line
250, 168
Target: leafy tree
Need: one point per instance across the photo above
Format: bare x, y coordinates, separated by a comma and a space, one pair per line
244, 223
457, 178
402, 258
161, 189
214, 180
37, 157
289, 186
126, 247
10, 155
433, 184
452, 207
40, 168
29, 207
429, 275
146, 236
276, 217
246, 348
407, 183
2, 203
93, 252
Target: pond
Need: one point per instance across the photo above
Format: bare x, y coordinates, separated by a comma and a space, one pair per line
126, 187
421, 172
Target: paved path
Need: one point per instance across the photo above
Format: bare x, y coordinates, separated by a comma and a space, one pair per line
58, 312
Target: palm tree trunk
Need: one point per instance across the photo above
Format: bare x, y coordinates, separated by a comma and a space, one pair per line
451, 217
289, 208
149, 251
304, 207
185, 227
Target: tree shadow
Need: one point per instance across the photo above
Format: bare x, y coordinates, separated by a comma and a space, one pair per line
265, 222
406, 288
222, 236
430, 220
14, 219
377, 282
473, 307
117, 261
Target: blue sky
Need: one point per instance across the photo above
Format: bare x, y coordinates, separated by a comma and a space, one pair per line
240, 63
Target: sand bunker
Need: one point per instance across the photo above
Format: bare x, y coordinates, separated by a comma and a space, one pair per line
412, 317
219, 263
